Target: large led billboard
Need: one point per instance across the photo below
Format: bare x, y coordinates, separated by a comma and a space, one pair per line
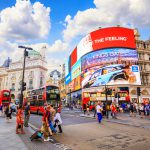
113, 37
110, 66
106, 38
76, 69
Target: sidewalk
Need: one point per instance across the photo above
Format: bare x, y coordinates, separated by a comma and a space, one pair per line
9, 140
125, 119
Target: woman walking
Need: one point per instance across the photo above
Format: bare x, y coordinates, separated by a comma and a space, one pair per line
19, 121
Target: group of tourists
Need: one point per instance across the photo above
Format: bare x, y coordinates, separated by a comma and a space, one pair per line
143, 109
101, 110
50, 120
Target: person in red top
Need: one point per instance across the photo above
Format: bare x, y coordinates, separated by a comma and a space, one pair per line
19, 120
45, 127
113, 110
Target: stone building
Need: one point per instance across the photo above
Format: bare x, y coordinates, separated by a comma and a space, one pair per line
35, 75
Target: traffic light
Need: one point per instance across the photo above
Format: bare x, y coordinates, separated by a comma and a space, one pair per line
26, 53
109, 91
117, 95
24, 86
138, 91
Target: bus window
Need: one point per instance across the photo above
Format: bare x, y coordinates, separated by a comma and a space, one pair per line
6, 94
33, 103
40, 103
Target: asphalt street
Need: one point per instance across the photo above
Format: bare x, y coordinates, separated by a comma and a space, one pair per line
81, 133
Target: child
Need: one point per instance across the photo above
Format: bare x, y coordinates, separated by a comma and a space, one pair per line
58, 121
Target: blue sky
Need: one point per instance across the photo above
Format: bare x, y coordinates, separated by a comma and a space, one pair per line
60, 24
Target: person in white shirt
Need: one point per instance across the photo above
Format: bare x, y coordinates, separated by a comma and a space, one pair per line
99, 112
58, 121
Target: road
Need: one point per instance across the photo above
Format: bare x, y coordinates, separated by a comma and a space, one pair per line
85, 133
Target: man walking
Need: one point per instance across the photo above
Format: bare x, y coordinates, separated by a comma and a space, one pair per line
27, 114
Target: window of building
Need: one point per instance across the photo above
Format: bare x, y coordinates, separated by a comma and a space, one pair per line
31, 84
13, 87
41, 81
31, 74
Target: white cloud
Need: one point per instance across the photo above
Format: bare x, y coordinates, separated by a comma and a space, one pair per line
108, 13
58, 46
25, 21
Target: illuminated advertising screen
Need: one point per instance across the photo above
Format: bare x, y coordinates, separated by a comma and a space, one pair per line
77, 84
113, 37
68, 78
110, 66
106, 38
76, 69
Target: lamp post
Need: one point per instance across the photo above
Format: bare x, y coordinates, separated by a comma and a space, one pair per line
24, 61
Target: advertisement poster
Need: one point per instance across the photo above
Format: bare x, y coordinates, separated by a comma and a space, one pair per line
77, 83
110, 66
76, 69
68, 78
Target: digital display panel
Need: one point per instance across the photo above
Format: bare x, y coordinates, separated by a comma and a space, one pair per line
110, 66
76, 69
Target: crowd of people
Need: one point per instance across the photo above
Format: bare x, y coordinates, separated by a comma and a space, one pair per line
133, 108
51, 119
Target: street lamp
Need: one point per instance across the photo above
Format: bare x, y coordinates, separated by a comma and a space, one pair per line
23, 84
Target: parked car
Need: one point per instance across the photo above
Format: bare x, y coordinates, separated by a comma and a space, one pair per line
105, 74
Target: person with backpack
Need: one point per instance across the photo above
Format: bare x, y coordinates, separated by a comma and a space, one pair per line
58, 121
45, 129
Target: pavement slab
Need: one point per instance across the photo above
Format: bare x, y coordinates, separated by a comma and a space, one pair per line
9, 140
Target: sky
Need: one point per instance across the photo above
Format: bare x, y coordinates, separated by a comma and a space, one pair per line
60, 24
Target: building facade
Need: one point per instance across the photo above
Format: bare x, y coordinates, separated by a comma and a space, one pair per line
134, 57
35, 75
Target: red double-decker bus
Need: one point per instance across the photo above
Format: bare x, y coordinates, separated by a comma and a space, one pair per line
45, 95
5, 97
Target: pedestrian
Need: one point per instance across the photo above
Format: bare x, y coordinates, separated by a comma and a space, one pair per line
50, 121
58, 121
113, 110
88, 110
142, 110
19, 120
104, 110
27, 114
131, 109
84, 108
8, 113
45, 129
95, 109
1, 110
53, 112
147, 110
99, 112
